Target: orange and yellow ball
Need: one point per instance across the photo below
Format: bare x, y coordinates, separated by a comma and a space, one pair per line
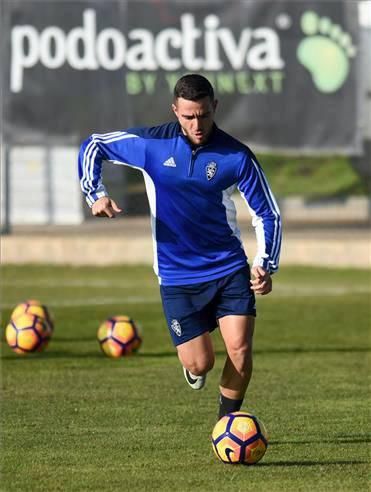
239, 437
28, 333
119, 336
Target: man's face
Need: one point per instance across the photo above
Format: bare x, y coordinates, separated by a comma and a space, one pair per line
196, 118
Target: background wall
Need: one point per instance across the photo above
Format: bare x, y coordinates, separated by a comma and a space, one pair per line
293, 79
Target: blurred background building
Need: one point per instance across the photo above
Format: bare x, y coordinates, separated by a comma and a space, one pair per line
293, 78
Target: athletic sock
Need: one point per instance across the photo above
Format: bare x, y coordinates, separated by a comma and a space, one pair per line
227, 405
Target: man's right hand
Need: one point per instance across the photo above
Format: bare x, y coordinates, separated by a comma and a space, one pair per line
261, 282
105, 207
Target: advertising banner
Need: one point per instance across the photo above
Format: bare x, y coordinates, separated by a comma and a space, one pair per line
286, 72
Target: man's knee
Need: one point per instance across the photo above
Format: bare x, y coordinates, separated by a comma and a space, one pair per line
197, 355
240, 353
198, 366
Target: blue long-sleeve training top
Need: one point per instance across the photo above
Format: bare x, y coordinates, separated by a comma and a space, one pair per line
193, 217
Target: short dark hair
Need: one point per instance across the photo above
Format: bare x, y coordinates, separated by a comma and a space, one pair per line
193, 87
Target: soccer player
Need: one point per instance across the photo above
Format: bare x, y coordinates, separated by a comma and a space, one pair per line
191, 169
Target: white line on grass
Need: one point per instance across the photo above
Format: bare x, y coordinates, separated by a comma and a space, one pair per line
278, 291
94, 302
312, 290
50, 283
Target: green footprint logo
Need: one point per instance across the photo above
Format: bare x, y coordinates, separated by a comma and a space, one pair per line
325, 52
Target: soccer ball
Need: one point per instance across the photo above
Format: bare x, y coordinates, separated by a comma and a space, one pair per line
119, 336
239, 437
33, 307
28, 333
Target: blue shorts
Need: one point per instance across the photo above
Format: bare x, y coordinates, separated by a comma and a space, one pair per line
192, 310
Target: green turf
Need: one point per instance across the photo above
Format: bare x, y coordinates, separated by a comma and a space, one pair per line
323, 177
75, 420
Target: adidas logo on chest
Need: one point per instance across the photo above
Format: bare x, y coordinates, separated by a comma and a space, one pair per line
169, 162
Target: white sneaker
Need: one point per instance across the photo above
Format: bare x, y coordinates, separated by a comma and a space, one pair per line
195, 382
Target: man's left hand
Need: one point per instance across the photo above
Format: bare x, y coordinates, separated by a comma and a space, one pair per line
261, 282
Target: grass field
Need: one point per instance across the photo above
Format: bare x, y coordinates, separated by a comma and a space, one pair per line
75, 420
316, 177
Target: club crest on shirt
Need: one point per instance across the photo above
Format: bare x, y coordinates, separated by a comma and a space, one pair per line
211, 170
175, 326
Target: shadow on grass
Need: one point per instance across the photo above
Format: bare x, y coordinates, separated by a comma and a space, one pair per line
280, 350
54, 355
313, 463
97, 354
358, 439
309, 350
60, 354
295, 350
87, 338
